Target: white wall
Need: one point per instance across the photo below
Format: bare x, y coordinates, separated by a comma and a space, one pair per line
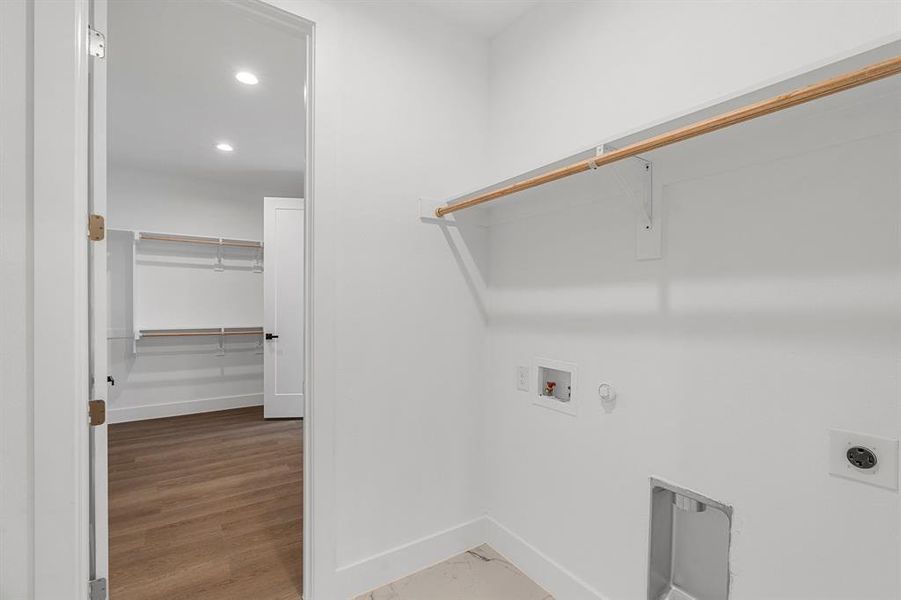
148, 200
771, 318
408, 332
568, 75
178, 376
400, 113
16, 392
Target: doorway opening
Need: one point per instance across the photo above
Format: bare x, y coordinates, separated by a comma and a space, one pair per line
206, 153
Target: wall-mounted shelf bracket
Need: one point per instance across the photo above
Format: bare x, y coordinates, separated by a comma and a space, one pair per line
427, 208
220, 351
258, 261
635, 176
219, 266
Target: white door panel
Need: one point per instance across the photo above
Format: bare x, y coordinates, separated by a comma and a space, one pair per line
283, 309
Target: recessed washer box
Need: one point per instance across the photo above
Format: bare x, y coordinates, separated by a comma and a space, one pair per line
562, 395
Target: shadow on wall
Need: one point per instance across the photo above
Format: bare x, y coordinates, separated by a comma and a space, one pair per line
764, 249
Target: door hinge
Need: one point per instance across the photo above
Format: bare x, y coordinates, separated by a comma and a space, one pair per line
97, 589
96, 228
97, 412
96, 43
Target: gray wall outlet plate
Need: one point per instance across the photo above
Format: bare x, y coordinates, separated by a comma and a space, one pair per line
883, 474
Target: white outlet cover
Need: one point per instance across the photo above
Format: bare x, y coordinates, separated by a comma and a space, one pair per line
522, 379
884, 474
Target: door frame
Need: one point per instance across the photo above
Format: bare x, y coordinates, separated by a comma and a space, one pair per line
60, 318
60, 300
98, 309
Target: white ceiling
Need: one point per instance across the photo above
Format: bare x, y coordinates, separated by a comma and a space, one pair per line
172, 93
486, 18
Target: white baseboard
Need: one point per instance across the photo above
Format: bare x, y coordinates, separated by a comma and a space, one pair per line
185, 407
540, 568
373, 572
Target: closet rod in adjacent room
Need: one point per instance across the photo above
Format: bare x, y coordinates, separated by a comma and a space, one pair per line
188, 239
840, 83
212, 332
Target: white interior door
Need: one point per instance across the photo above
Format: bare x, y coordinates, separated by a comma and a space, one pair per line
98, 318
283, 309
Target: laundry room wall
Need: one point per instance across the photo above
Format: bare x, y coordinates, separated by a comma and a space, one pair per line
602, 69
400, 99
770, 319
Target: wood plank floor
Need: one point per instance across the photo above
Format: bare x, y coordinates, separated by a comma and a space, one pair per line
206, 506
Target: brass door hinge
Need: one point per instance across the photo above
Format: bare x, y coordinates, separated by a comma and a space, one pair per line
97, 412
96, 228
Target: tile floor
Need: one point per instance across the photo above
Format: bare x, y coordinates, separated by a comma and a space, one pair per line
480, 574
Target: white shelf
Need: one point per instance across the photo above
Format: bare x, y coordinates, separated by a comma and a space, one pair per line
181, 238
198, 332
185, 286
851, 114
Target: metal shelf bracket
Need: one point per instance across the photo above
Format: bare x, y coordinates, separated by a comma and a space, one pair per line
427, 208
258, 261
635, 176
219, 266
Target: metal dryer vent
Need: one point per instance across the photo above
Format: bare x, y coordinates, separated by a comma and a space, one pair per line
689, 545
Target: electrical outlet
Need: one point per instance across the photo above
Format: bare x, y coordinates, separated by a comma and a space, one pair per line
865, 458
522, 379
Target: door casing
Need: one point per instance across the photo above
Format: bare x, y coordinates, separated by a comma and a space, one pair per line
61, 300
61, 377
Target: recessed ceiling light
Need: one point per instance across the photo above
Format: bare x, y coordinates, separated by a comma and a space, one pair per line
225, 147
246, 77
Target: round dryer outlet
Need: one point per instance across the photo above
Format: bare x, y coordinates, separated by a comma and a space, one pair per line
865, 458
861, 457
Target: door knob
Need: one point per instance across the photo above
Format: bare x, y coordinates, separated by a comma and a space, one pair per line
271, 336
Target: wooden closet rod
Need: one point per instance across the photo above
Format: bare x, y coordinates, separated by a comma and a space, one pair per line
200, 332
159, 237
840, 83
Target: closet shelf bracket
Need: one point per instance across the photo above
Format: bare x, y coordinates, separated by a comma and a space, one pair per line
635, 177
219, 266
220, 351
427, 208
